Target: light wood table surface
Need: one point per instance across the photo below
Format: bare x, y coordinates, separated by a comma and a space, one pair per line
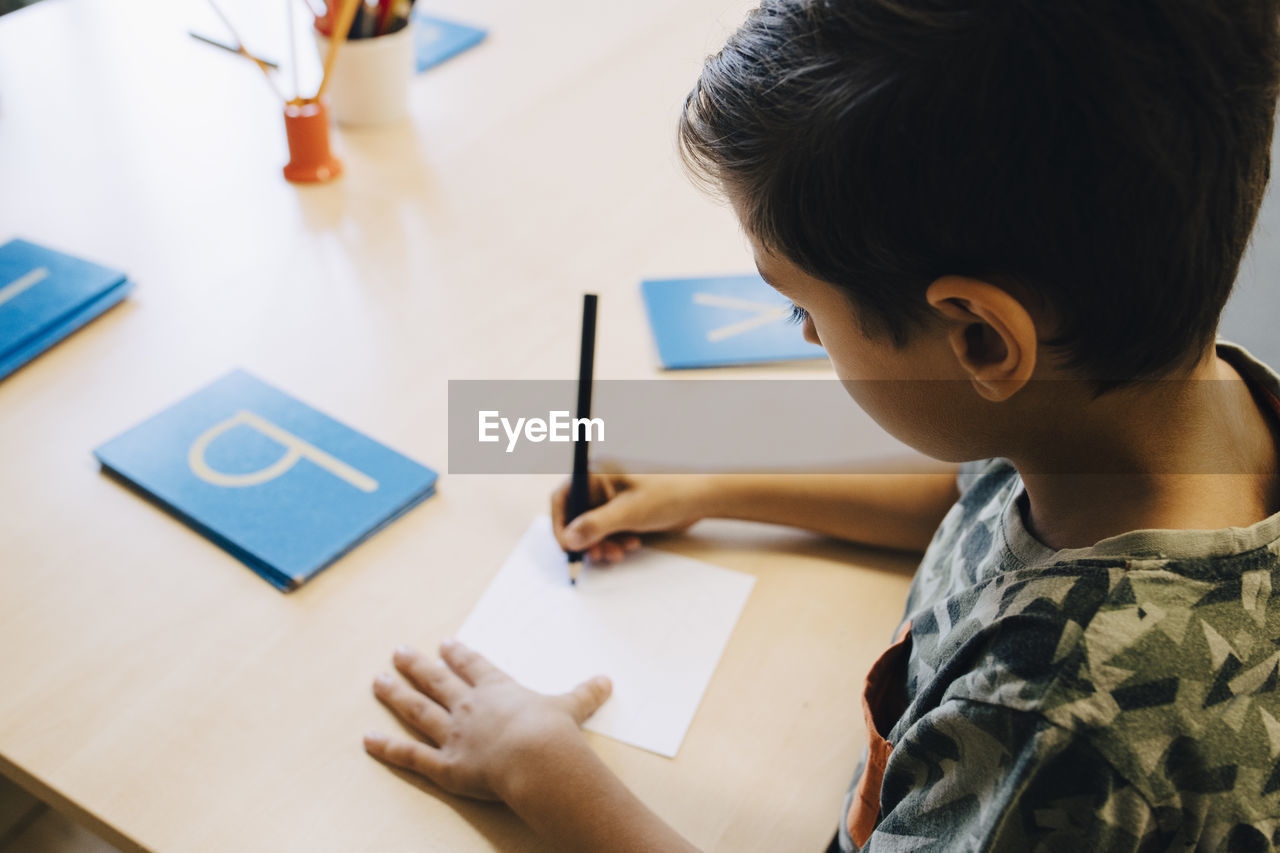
168, 698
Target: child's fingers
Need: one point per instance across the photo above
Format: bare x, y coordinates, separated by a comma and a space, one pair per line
411, 755
417, 711
582, 701
591, 527
429, 676
602, 490
468, 663
612, 551
558, 498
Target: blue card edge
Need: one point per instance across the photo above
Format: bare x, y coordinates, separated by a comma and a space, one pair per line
410, 503
737, 362
70, 312
671, 364
50, 335
62, 319
474, 38
653, 327
278, 579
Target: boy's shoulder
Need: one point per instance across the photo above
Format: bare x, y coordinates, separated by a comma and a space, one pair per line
1161, 660
1146, 659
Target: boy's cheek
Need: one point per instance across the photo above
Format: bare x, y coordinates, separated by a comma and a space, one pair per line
930, 416
913, 392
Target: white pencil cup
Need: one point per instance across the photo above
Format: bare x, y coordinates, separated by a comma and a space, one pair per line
370, 78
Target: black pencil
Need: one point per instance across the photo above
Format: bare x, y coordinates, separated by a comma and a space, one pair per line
580, 485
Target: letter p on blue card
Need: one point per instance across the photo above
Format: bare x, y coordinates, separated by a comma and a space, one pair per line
282, 487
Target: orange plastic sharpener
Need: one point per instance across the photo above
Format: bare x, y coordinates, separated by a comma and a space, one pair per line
310, 160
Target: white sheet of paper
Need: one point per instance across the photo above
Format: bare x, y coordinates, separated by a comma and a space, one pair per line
656, 624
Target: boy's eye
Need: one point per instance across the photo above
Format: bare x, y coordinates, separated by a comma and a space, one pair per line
798, 314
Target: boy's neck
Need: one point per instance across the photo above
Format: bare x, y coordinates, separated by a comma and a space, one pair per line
1191, 454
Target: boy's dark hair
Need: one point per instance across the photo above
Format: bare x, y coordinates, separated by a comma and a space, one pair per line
1108, 155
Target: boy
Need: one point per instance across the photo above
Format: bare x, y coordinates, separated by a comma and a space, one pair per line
1013, 225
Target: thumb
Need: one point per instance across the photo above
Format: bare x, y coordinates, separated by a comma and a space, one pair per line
591, 527
585, 699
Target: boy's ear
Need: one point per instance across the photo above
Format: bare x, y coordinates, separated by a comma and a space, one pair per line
991, 333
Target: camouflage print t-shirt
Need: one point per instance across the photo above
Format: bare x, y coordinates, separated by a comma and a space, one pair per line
1121, 697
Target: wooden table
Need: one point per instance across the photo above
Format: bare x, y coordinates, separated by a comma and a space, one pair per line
164, 695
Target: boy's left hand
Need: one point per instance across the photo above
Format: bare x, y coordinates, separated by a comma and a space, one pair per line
487, 737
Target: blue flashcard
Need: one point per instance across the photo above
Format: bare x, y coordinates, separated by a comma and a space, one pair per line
284, 488
15, 358
715, 322
435, 39
46, 295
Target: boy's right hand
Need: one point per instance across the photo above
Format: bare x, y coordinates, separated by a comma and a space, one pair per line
625, 505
